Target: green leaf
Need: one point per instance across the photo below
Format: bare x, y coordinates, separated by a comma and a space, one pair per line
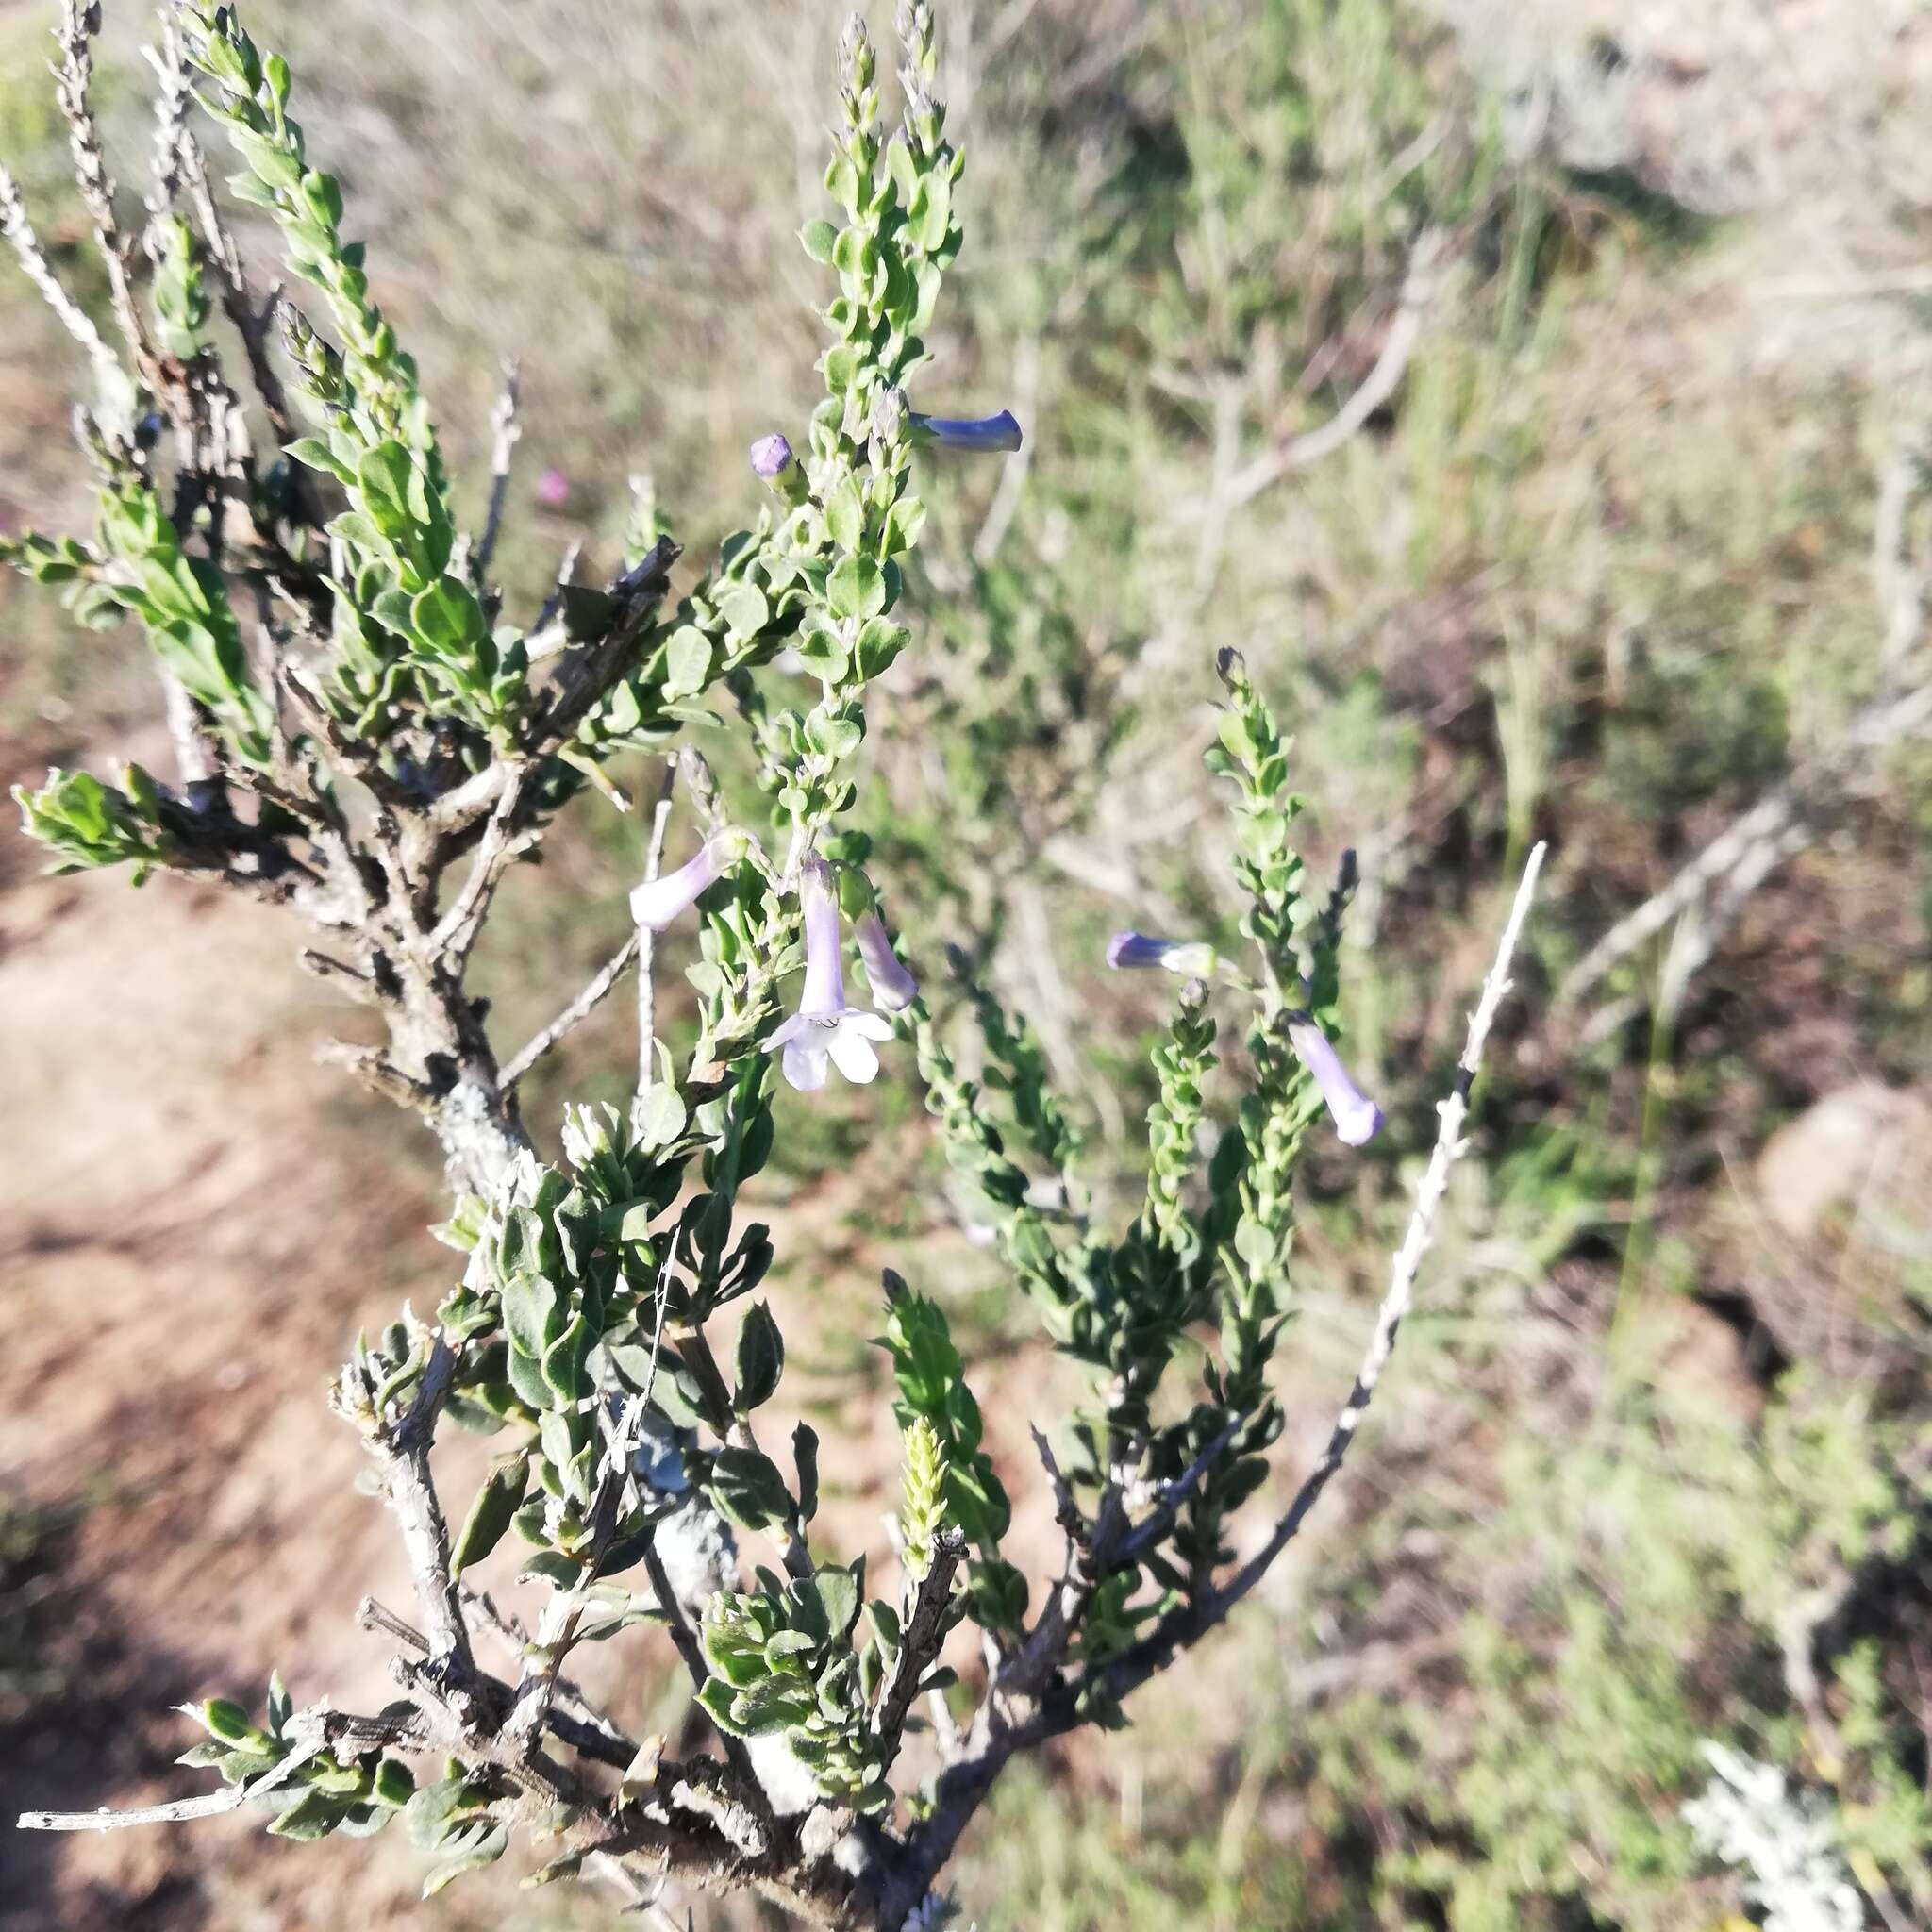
438, 1808
315, 451
555, 1568
382, 479
526, 1378
904, 522
834, 734
564, 1434
842, 181
482, 1850
491, 1514
530, 1314
313, 1815
246, 186
364, 537
227, 1721
563, 1362
788, 1643
805, 1454
926, 224
743, 609
857, 588
828, 1601
904, 169
660, 1118
718, 1698
879, 643
760, 1360
767, 1717
747, 1488
818, 237
323, 194
845, 515
464, 1227
822, 649
854, 251
447, 618
270, 165
687, 662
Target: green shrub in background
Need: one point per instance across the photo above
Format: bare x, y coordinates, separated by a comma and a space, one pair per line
1269, 223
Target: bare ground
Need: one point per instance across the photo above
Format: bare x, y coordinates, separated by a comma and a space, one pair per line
174, 1308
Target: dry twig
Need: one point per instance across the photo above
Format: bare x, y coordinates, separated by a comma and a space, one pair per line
504, 433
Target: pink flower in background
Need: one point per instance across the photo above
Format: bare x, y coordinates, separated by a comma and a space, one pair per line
553, 489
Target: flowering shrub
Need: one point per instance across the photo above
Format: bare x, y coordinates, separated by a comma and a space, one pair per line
366, 737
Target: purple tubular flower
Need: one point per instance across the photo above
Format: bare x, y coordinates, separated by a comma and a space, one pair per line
1358, 1118
771, 457
824, 1028
1130, 949
658, 901
993, 433
894, 987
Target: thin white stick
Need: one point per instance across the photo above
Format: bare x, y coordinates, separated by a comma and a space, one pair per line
504, 432
1450, 1148
211, 1805
18, 230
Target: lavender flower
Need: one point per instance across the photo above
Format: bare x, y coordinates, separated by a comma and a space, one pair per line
995, 434
894, 987
1358, 1118
825, 1027
771, 457
658, 901
1130, 949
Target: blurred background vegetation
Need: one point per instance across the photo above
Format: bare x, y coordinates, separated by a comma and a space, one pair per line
1612, 559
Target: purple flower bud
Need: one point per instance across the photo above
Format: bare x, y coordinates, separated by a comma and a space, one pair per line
824, 1028
658, 901
1130, 949
995, 434
771, 457
894, 987
553, 489
1358, 1118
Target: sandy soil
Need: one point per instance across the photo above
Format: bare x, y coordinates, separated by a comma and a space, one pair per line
174, 1306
